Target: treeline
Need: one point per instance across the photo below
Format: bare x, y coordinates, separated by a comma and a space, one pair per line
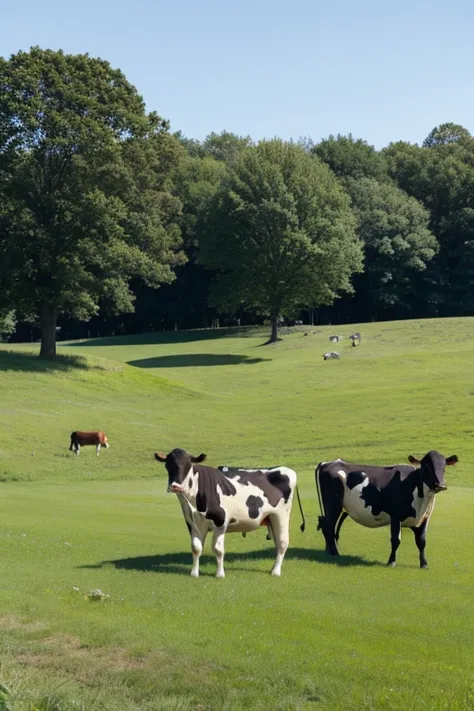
111, 223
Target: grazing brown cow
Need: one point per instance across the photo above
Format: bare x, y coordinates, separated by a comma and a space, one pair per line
80, 439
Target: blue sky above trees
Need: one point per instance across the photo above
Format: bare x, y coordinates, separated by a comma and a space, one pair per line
383, 71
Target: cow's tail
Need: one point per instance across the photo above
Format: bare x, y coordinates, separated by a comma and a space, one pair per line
303, 524
321, 508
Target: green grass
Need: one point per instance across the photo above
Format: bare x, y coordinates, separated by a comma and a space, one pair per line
352, 635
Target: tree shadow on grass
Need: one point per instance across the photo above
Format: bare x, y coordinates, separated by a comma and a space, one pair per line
22, 362
180, 563
162, 337
190, 360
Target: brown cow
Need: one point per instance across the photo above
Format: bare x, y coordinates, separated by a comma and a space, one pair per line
79, 439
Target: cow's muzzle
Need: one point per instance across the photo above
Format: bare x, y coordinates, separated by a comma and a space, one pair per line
175, 488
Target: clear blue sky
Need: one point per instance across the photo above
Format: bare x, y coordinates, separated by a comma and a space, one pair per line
382, 70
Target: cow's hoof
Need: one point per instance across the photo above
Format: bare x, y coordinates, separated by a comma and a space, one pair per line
195, 573
391, 564
424, 567
276, 573
220, 575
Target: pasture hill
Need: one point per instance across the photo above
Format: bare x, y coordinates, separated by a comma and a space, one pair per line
156, 639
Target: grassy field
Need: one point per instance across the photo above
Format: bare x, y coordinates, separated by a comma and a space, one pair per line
345, 635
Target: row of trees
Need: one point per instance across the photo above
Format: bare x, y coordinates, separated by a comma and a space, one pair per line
100, 204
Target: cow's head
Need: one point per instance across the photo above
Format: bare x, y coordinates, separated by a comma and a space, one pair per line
179, 465
432, 468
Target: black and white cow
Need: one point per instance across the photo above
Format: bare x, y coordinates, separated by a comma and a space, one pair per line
212, 501
398, 495
232, 472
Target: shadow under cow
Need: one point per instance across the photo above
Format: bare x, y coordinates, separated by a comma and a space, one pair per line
180, 562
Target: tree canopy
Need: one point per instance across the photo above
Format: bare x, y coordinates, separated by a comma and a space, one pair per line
396, 237
85, 201
104, 211
440, 174
351, 158
280, 233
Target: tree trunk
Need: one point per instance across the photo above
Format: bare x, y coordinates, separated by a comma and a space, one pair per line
274, 335
49, 318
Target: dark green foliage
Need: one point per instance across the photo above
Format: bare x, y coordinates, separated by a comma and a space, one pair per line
441, 175
7, 323
397, 241
445, 134
393, 226
280, 233
351, 158
85, 188
100, 203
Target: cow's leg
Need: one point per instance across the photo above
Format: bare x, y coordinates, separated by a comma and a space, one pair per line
281, 535
342, 518
269, 531
197, 543
331, 493
97, 449
218, 548
395, 538
420, 540
77, 449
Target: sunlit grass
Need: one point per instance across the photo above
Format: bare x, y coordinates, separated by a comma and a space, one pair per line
353, 635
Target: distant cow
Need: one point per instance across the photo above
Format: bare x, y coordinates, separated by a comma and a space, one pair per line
212, 501
398, 495
335, 339
355, 337
81, 439
232, 472
331, 354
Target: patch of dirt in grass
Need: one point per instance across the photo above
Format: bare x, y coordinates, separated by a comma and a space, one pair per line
10, 622
141, 673
65, 652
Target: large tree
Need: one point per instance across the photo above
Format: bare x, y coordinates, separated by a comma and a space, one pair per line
397, 242
280, 233
441, 175
392, 225
85, 196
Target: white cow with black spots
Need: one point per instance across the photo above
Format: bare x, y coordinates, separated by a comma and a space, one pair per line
211, 501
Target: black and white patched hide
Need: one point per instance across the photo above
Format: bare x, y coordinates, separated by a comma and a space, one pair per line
212, 501
399, 495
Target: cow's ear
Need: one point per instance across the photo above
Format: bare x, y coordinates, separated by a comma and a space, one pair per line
451, 460
413, 460
160, 457
201, 458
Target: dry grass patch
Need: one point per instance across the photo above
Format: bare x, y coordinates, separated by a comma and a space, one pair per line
11, 623
65, 652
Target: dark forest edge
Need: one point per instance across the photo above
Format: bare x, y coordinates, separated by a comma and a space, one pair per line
112, 224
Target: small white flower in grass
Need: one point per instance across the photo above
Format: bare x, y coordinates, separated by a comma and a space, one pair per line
96, 595
75, 589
